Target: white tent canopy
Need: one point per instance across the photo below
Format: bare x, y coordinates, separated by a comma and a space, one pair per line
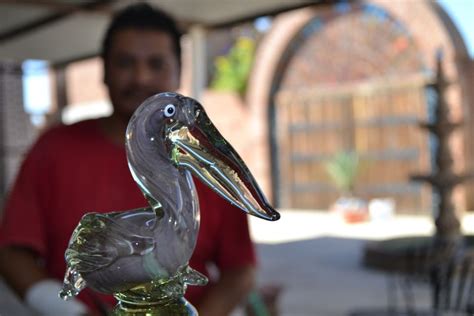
64, 30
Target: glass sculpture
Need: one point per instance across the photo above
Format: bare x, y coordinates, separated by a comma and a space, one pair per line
141, 256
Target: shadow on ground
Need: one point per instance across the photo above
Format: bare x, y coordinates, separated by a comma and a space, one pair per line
324, 276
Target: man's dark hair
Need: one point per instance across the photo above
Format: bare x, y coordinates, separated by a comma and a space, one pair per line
142, 16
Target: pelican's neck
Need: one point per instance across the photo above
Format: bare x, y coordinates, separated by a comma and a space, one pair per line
168, 189
162, 184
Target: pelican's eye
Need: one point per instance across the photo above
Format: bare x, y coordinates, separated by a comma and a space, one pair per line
169, 110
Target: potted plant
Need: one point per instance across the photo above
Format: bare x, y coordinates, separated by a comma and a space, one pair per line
343, 169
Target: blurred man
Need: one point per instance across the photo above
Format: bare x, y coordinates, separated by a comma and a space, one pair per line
79, 168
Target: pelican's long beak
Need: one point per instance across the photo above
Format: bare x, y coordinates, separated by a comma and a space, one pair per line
201, 149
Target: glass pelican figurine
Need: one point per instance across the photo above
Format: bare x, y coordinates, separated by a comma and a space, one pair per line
141, 256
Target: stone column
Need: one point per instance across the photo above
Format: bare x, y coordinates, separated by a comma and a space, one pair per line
16, 130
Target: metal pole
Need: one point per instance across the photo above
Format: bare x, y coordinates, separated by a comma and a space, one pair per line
198, 61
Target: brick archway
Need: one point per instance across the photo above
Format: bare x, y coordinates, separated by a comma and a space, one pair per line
417, 17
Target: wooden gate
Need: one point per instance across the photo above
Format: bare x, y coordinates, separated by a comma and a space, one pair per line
378, 120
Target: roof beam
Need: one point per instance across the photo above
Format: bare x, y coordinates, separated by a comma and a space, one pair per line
61, 11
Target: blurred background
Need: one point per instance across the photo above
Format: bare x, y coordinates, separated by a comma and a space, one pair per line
324, 100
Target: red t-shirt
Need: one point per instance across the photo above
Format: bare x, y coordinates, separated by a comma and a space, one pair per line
72, 170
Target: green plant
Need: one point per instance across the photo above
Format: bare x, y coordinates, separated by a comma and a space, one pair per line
232, 70
343, 169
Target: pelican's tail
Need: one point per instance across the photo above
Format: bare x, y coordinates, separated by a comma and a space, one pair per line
165, 288
193, 277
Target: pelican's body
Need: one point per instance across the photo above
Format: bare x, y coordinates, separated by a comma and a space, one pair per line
168, 138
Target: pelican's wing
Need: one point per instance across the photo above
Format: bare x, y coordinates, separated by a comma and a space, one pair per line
100, 239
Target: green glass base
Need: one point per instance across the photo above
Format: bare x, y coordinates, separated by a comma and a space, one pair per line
160, 297
174, 307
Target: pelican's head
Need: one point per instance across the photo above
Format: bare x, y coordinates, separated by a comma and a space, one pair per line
170, 134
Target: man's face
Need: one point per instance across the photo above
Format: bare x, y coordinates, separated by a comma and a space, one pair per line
140, 64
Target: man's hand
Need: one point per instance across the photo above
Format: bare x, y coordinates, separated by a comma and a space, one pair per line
21, 270
231, 289
42, 297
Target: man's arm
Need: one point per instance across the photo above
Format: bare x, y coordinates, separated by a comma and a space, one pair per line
23, 272
230, 290
20, 268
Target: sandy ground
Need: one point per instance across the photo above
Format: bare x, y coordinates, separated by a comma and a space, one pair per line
316, 258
